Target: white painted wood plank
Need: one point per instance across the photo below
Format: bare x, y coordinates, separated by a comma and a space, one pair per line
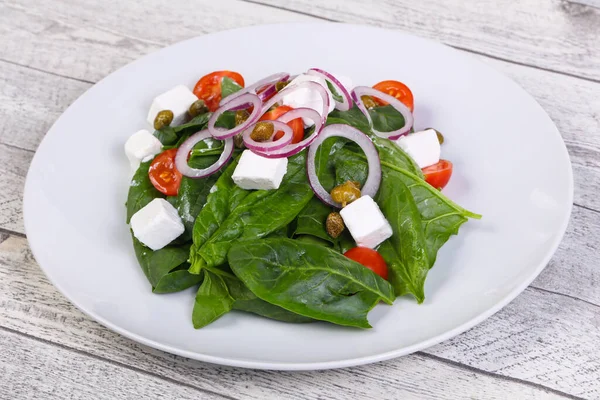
28, 303
549, 34
31, 369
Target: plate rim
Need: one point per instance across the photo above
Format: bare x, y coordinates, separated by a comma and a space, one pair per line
321, 365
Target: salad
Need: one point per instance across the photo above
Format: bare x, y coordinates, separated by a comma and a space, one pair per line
297, 198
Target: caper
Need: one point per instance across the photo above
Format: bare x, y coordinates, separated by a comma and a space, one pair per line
262, 131
163, 118
346, 193
368, 101
334, 225
238, 141
198, 107
439, 136
281, 84
241, 116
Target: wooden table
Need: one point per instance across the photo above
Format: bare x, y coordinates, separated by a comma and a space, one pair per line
545, 344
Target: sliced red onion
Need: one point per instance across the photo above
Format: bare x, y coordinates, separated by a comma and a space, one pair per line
181, 158
346, 102
270, 144
295, 148
267, 83
246, 100
360, 91
302, 85
345, 131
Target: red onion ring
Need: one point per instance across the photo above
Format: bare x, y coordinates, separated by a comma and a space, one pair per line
181, 158
345, 131
360, 91
302, 85
346, 102
268, 83
243, 100
295, 148
270, 144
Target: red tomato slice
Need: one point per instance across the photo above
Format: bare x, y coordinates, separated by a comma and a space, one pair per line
208, 88
163, 174
438, 175
296, 124
369, 258
397, 89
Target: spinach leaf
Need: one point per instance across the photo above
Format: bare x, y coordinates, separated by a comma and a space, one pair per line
334, 93
311, 220
406, 251
309, 280
141, 190
258, 214
161, 267
173, 136
228, 86
193, 193
353, 117
386, 118
212, 300
225, 197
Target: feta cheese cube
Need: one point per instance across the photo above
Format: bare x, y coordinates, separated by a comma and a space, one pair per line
178, 100
157, 224
141, 147
256, 172
366, 223
422, 146
308, 98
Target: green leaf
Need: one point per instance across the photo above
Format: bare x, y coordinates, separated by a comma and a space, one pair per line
309, 280
311, 220
228, 86
258, 214
161, 267
141, 190
406, 251
173, 136
334, 93
386, 118
212, 300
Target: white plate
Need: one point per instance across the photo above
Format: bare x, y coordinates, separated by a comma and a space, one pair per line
510, 164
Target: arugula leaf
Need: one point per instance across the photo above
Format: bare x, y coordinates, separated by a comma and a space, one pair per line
258, 214
406, 251
161, 267
212, 300
309, 280
229, 86
141, 190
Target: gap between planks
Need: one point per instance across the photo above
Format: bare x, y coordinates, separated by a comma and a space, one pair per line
480, 53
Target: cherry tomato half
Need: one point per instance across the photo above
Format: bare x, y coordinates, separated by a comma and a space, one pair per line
397, 89
438, 175
369, 258
296, 124
163, 174
208, 88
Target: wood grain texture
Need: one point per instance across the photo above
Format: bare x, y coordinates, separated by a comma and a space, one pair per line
549, 34
30, 304
32, 369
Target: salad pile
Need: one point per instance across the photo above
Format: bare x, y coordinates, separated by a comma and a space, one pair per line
295, 198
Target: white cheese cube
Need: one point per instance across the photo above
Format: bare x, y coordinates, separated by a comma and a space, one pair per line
157, 224
308, 98
141, 147
366, 223
178, 100
422, 146
256, 172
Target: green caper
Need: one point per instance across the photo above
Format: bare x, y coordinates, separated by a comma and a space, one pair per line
198, 107
241, 116
163, 118
368, 101
281, 84
346, 193
439, 136
334, 225
238, 141
262, 131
